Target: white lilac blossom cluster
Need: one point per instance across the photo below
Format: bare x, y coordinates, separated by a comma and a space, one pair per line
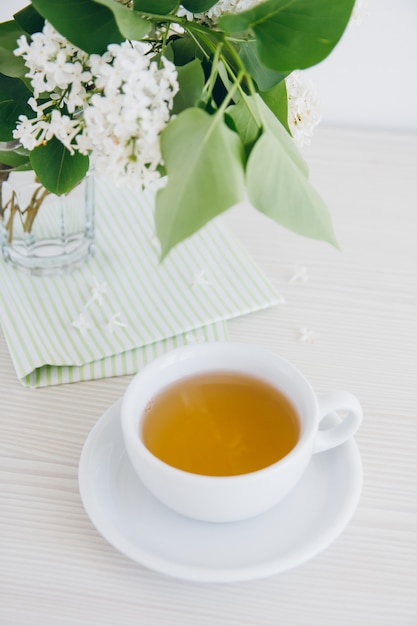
303, 108
222, 7
114, 105
124, 118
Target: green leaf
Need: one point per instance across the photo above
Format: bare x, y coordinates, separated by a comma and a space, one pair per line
185, 50
11, 65
191, 82
198, 6
203, 158
278, 186
88, 25
277, 101
9, 34
130, 23
13, 158
246, 125
292, 34
14, 96
264, 77
29, 19
57, 169
23, 167
160, 7
226, 83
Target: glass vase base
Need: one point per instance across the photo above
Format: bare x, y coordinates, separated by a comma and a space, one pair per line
50, 258
44, 234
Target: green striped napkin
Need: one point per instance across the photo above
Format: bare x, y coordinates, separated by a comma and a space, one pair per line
124, 307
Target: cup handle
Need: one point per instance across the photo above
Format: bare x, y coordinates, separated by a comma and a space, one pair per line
336, 435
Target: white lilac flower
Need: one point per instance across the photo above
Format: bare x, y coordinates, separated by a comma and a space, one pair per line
51, 61
300, 275
27, 132
200, 278
193, 338
99, 65
33, 132
303, 108
98, 291
306, 335
115, 322
38, 108
81, 324
63, 128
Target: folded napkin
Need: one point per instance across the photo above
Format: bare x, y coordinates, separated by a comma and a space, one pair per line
124, 307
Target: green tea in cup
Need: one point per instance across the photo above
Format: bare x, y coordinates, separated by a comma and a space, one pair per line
220, 424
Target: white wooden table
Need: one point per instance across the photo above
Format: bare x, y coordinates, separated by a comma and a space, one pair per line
358, 309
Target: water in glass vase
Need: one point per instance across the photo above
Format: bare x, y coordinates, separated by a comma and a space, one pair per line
41, 233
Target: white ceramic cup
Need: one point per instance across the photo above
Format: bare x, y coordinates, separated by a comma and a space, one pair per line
232, 498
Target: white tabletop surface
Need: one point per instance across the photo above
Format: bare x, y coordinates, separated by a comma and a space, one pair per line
358, 310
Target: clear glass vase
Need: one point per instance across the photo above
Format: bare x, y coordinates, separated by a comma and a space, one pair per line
42, 233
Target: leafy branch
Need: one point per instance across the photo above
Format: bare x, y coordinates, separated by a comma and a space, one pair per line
228, 138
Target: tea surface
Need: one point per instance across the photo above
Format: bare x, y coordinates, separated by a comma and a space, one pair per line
220, 424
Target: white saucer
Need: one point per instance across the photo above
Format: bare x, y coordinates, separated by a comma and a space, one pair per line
142, 528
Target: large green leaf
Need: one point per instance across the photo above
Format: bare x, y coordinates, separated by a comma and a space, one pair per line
88, 25
293, 34
198, 6
57, 169
271, 125
9, 33
29, 19
185, 50
130, 23
204, 162
277, 100
264, 77
14, 158
247, 126
13, 102
278, 186
191, 82
160, 7
11, 65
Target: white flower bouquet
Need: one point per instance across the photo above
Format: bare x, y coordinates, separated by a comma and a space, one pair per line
206, 94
